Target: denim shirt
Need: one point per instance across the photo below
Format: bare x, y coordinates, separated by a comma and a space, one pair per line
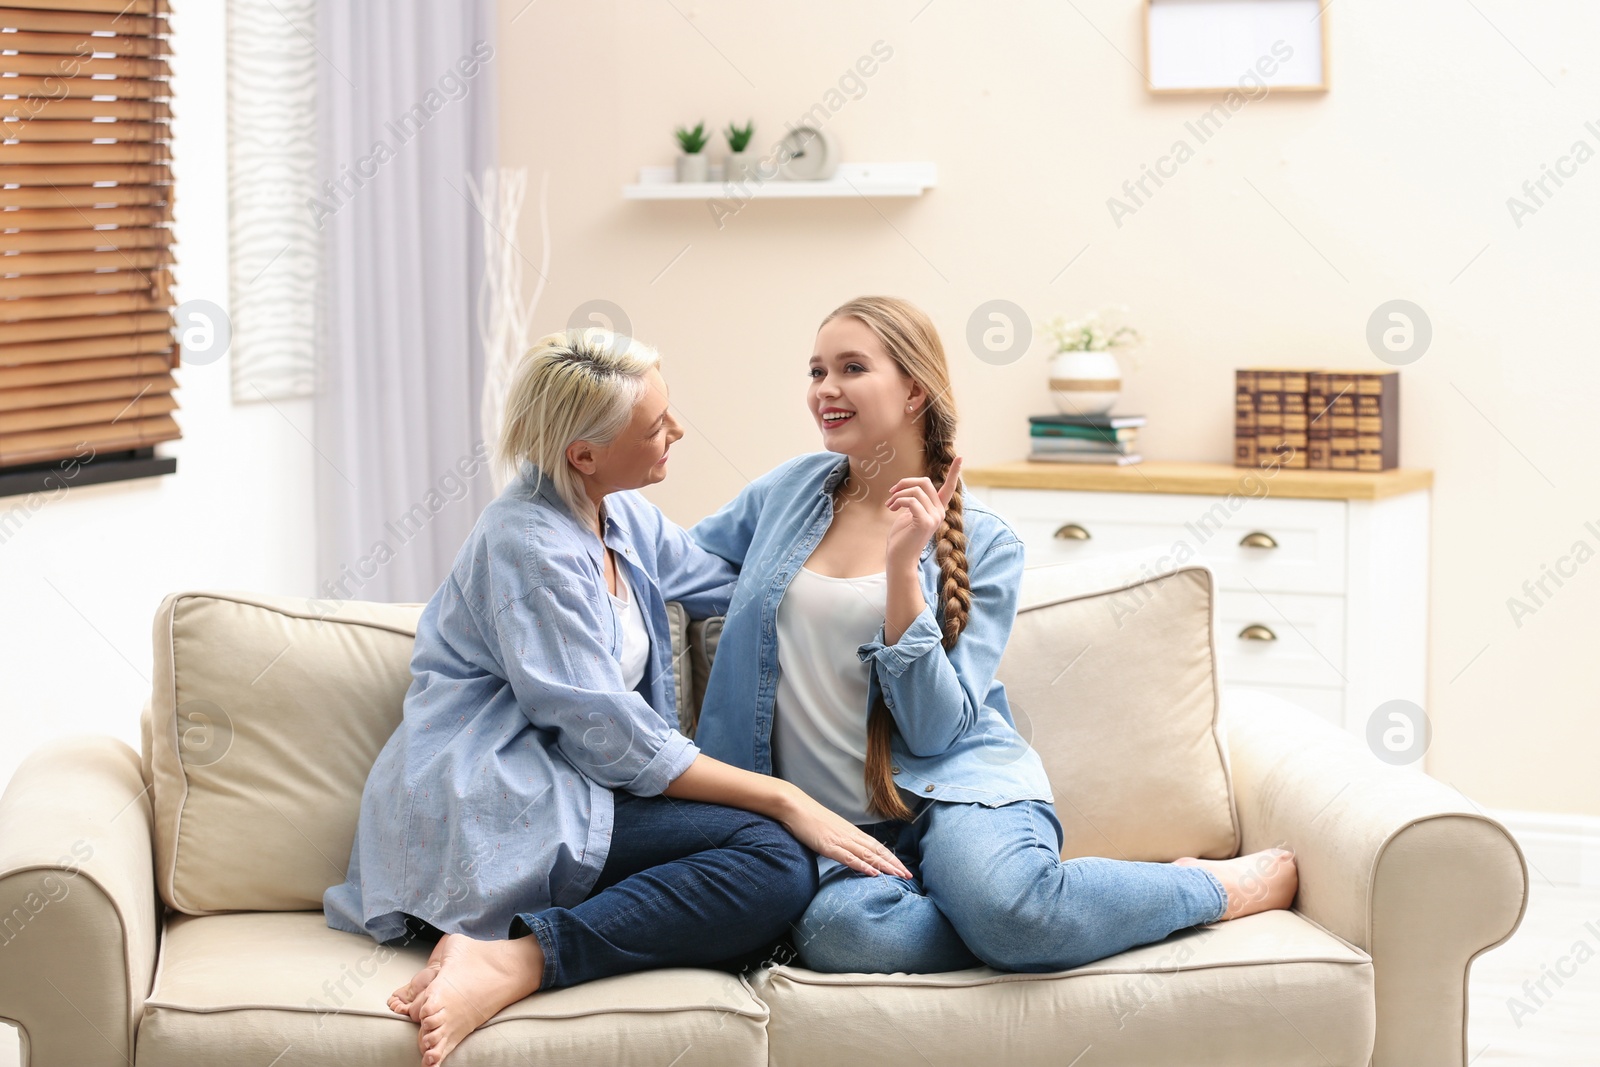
494, 795
954, 737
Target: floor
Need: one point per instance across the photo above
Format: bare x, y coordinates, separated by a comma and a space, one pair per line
1557, 1027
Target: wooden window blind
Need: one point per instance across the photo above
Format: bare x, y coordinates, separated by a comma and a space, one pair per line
86, 343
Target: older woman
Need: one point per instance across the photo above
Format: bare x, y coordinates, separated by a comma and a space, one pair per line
537, 805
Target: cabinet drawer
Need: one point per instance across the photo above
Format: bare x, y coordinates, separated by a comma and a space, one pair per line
1293, 546
1300, 639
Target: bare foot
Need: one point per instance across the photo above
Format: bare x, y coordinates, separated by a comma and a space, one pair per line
403, 1001
1260, 881
475, 980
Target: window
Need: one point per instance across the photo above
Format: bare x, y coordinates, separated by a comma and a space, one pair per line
86, 343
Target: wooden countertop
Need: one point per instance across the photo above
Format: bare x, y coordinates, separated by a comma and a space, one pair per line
1210, 479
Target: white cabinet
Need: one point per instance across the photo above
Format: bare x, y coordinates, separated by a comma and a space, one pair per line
1322, 576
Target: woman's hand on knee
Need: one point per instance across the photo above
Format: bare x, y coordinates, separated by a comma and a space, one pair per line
831, 835
813, 825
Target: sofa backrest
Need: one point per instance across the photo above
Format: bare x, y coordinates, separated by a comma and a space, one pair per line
267, 713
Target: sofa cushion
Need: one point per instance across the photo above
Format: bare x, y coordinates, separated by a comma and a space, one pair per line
246, 989
704, 635
682, 682
266, 715
1273, 989
1111, 673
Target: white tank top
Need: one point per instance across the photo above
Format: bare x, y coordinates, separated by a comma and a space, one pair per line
819, 735
635, 653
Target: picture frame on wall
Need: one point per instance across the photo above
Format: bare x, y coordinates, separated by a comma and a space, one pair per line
1210, 46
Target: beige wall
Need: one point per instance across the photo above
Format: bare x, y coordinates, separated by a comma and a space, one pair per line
1273, 244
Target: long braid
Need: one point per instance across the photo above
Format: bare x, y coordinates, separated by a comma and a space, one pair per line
883, 796
951, 547
955, 602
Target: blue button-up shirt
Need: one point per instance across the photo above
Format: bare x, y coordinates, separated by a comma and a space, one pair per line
494, 795
955, 738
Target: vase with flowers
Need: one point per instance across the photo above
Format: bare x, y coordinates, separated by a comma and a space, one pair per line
1085, 377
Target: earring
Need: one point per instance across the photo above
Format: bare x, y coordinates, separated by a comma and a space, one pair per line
909, 407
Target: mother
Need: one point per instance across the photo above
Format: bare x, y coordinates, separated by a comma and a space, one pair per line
537, 784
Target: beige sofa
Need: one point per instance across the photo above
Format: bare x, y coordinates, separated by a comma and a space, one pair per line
164, 910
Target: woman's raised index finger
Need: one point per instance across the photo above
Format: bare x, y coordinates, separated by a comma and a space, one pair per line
951, 480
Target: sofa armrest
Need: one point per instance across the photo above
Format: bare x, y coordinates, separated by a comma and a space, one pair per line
1393, 861
79, 916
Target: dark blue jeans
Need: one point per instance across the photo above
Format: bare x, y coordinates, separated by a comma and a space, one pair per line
685, 884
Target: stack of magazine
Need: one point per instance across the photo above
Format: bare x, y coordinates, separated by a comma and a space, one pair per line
1085, 438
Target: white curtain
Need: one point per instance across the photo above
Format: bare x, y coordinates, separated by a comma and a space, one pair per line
272, 171
405, 116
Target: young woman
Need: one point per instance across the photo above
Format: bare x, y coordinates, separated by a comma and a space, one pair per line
857, 660
537, 805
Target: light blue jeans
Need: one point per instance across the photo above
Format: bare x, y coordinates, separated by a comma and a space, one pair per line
990, 887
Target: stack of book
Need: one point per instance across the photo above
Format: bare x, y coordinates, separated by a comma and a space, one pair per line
1317, 419
1085, 438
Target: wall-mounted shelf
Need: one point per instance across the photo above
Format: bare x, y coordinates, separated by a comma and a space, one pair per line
851, 179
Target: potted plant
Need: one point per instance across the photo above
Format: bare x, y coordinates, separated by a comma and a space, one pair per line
737, 166
692, 160
1085, 378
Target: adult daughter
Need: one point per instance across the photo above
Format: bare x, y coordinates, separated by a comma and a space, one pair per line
537, 805
857, 660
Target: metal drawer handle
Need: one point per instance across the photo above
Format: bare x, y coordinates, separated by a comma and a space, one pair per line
1256, 632
1257, 539
1072, 532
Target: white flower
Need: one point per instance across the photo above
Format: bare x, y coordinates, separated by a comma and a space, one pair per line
1089, 334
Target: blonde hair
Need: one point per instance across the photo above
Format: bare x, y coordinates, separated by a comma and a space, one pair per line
910, 339
577, 385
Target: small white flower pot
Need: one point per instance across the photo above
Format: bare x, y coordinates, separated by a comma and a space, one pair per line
738, 166
692, 167
1085, 383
